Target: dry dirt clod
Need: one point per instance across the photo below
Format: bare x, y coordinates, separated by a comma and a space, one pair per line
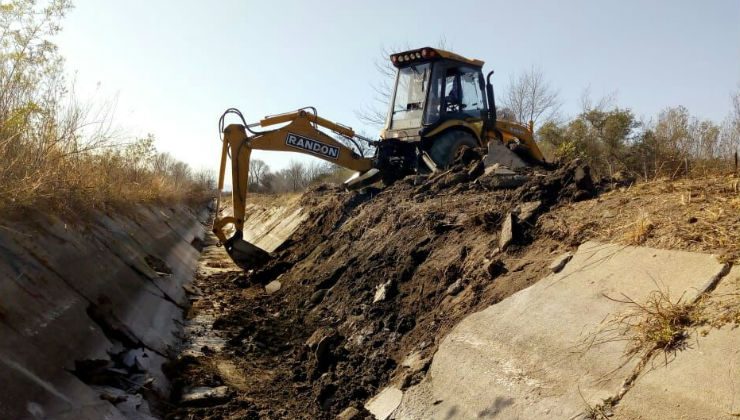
476, 170
318, 296
495, 268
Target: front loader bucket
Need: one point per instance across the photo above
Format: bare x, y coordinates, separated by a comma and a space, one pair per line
244, 254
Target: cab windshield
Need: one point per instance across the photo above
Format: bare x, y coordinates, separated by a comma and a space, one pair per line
411, 91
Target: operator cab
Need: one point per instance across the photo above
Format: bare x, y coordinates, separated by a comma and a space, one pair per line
434, 86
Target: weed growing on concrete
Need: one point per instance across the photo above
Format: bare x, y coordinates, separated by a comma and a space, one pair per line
660, 323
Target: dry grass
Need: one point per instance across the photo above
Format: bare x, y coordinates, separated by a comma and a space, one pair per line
60, 155
659, 325
701, 215
637, 232
111, 176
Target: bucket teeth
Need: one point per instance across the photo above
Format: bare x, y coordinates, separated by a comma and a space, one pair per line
245, 254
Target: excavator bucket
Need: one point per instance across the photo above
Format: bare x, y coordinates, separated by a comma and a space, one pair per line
245, 254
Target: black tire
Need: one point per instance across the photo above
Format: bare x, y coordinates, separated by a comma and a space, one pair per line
446, 145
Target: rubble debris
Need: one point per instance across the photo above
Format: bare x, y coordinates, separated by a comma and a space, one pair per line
455, 288
272, 287
559, 263
382, 405
506, 235
526, 211
381, 292
367, 280
205, 396
350, 413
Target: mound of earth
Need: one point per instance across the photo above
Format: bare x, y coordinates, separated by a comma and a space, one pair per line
362, 293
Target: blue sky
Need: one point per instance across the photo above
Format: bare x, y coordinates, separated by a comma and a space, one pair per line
174, 66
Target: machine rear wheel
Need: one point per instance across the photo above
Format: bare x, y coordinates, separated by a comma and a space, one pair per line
446, 145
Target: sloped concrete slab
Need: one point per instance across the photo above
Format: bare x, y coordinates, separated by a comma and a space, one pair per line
268, 228
72, 295
702, 382
382, 405
528, 356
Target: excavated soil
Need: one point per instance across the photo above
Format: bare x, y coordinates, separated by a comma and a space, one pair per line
369, 286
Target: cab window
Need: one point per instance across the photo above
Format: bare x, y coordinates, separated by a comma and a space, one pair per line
472, 97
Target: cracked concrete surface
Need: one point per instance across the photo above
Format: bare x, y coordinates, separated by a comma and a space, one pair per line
701, 382
529, 355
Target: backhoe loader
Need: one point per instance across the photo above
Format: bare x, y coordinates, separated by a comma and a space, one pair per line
440, 103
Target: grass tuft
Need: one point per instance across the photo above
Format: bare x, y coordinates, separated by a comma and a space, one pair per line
658, 324
638, 231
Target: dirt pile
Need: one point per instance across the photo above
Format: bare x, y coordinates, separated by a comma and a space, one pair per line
369, 285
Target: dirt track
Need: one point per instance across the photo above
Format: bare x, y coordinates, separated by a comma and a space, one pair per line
369, 285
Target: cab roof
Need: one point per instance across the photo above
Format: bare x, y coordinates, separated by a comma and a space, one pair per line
428, 53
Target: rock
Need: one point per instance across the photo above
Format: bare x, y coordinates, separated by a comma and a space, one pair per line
455, 288
349, 413
381, 292
528, 210
507, 232
205, 396
273, 287
318, 296
559, 263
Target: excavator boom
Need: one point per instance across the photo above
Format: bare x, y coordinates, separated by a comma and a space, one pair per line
300, 133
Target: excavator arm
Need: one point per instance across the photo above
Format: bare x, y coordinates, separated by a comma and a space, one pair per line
300, 133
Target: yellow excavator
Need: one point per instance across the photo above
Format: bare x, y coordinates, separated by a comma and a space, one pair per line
440, 103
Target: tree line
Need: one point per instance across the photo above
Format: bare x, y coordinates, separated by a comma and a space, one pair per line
295, 177
614, 141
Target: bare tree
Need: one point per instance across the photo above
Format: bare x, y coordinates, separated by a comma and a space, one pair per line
603, 104
729, 137
530, 97
295, 175
257, 171
736, 110
162, 163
